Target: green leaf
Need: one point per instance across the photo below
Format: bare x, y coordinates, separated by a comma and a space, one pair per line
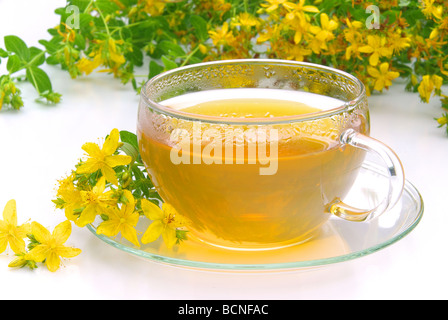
168, 63
200, 27
130, 150
80, 41
129, 137
14, 64
53, 45
106, 6
37, 56
85, 19
3, 53
81, 4
39, 79
18, 46
154, 69
171, 48
135, 56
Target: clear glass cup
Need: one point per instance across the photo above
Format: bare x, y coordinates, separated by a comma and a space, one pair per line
244, 199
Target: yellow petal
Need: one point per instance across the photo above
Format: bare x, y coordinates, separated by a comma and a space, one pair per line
169, 237
393, 74
315, 29
38, 253
130, 206
87, 216
3, 227
379, 85
87, 66
109, 174
130, 234
68, 252
62, 232
17, 244
92, 149
90, 166
40, 232
153, 232
384, 67
117, 58
332, 25
366, 49
3, 243
133, 219
10, 213
118, 160
111, 143
151, 210
53, 262
297, 37
310, 9
109, 228
374, 59
324, 20
437, 80
100, 186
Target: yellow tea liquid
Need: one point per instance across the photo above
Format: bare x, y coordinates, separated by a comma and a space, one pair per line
229, 202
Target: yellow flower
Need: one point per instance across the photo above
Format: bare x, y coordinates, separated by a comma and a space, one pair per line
300, 26
383, 77
166, 221
428, 85
296, 52
429, 9
271, 33
222, 36
10, 232
376, 47
121, 220
153, 7
354, 37
352, 33
443, 120
325, 31
50, 247
94, 202
272, 4
87, 66
106, 54
104, 159
397, 42
246, 20
68, 198
298, 8
69, 34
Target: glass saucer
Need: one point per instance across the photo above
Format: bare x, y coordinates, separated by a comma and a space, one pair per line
338, 240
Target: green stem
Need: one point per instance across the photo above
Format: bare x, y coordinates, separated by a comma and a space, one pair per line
34, 59
104, 21
88, 6
189, 56
35, 82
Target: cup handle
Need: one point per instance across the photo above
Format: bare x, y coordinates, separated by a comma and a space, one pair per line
396, 178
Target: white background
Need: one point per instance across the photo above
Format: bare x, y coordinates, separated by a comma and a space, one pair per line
40, 144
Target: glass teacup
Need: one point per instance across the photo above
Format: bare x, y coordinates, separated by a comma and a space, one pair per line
259, 154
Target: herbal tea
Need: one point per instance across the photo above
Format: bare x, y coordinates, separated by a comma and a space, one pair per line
249, 186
